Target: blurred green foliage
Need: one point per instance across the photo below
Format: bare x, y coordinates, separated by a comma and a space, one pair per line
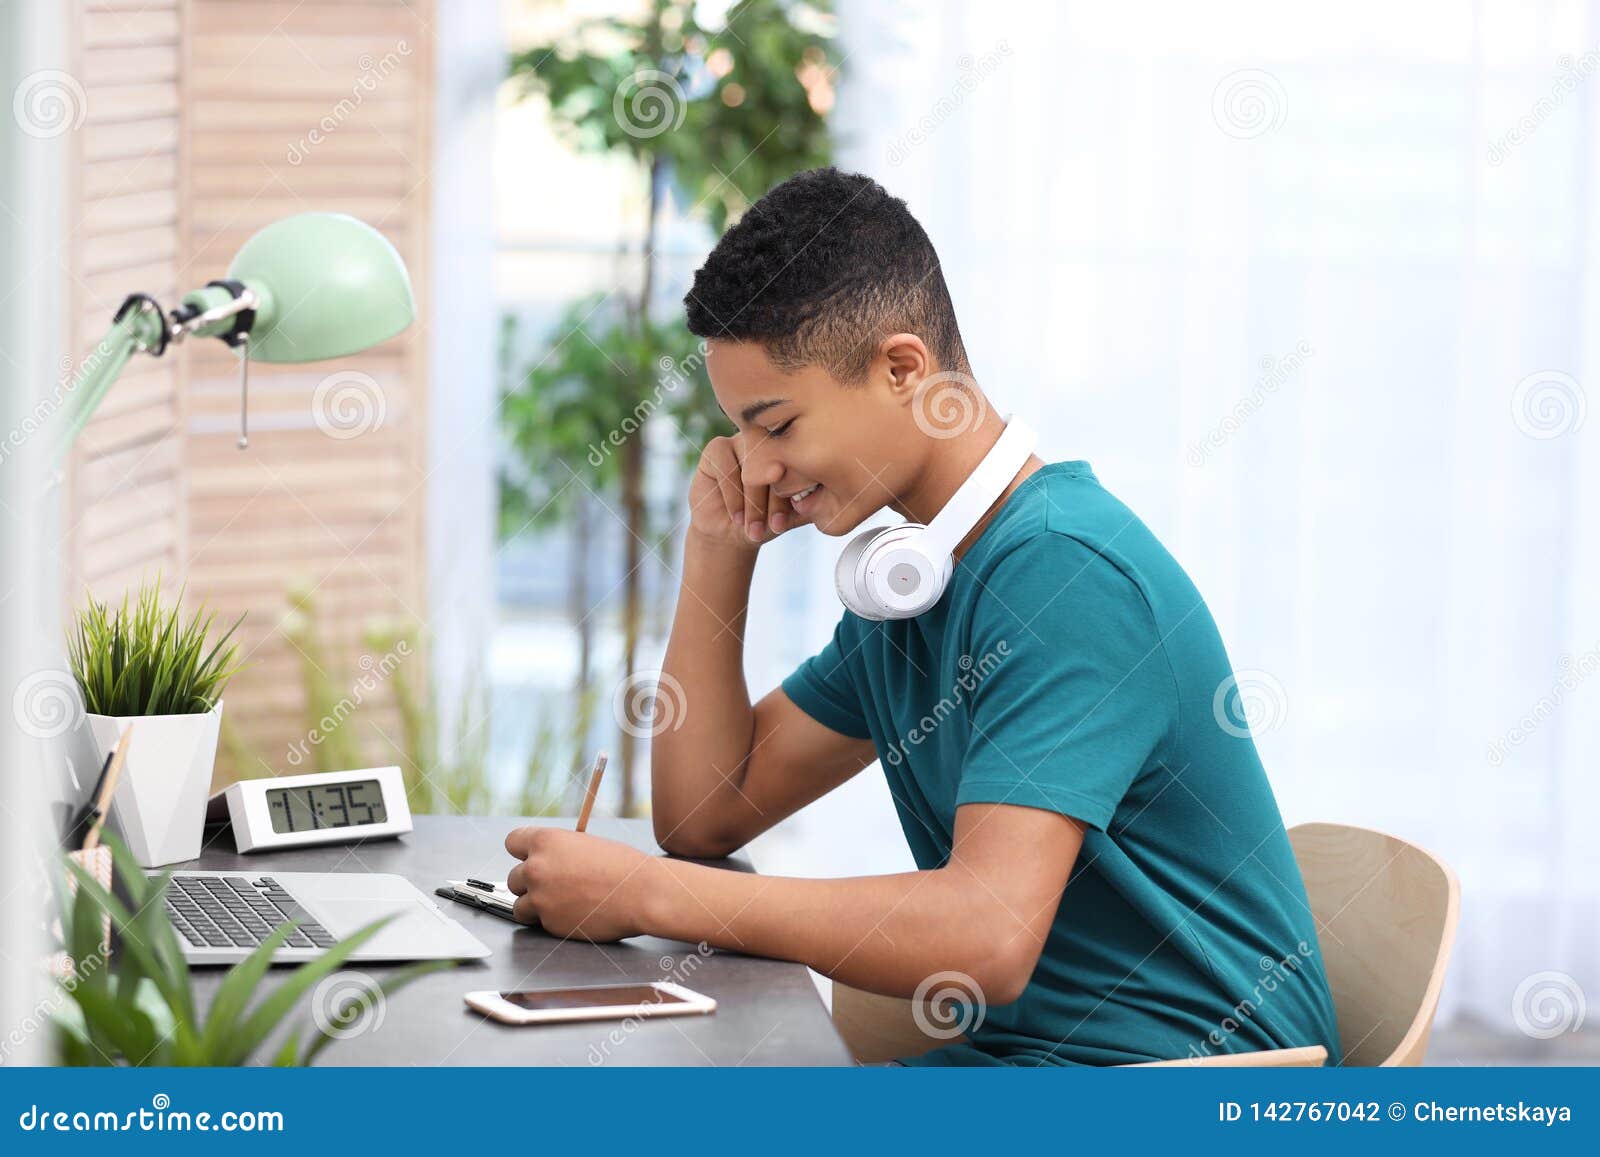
718, 115
728, 108
446, 768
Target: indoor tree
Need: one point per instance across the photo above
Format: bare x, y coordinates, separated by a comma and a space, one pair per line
715, 114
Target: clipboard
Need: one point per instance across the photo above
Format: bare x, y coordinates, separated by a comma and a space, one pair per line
493, 898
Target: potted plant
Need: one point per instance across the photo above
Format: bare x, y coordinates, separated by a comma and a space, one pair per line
142, 661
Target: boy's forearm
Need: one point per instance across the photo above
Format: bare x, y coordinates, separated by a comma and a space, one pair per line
885, 934
694, 758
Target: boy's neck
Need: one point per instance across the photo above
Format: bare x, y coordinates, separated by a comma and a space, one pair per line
948, 467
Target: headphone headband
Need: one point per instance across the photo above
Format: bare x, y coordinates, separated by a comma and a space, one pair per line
974, 497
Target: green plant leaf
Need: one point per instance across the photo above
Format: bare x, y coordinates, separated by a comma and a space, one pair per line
129, 1031
84, 941
270, 1012
285, 1057
177, 1042
72, 1035
147, 659
176, 994
151, 918
238, 986
153, 981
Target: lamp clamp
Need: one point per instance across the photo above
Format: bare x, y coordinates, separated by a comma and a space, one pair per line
189, 318
146, 304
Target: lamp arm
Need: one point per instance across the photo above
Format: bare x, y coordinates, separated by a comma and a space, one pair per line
132, 331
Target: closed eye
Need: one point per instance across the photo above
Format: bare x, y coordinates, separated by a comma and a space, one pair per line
780, 429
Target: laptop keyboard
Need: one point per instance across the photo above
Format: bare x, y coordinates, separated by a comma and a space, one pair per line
237, 912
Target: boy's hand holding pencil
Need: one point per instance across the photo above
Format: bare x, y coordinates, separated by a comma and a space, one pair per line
575, 884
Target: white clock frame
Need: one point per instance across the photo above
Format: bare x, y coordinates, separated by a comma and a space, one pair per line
251, 818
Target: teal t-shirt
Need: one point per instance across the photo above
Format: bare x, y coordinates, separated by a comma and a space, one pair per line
1073, 666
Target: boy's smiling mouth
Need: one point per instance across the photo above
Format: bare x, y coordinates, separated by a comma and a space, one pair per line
800, 498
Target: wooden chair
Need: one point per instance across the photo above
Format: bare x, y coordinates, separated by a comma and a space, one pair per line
1385, 911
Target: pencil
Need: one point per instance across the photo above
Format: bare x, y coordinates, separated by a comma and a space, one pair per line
108, 789
594, 789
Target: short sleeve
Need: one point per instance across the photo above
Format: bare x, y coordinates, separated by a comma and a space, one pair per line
824, 688
1073, 694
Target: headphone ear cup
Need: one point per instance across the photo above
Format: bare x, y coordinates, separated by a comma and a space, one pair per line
855, 598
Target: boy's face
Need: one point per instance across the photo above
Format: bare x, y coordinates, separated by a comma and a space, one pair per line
804, 427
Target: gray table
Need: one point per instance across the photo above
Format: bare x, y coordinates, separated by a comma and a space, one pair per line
768, 1011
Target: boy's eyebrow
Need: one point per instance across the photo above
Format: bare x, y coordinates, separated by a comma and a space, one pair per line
752, 412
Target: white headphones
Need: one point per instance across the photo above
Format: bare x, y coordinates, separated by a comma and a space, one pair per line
898, 572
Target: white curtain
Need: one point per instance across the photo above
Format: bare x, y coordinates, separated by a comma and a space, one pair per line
34, 160
1313, 290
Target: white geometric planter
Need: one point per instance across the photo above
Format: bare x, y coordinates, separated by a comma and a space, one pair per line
160, 805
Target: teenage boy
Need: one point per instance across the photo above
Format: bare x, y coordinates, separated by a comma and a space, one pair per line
1102, 865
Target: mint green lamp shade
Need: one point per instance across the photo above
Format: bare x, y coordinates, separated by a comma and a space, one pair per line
329, 285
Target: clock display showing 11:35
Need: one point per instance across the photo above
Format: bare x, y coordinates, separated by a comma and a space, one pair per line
328, 805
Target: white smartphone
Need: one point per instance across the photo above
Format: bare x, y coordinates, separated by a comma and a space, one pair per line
591, 1002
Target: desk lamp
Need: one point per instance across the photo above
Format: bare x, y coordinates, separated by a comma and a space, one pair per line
306, 288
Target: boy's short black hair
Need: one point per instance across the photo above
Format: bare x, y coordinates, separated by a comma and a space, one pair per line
819, 270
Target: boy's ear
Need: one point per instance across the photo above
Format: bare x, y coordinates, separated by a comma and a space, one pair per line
906, 362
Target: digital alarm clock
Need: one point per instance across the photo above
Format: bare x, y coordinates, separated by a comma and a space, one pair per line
297, 811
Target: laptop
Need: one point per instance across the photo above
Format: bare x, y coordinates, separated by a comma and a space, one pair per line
221, 917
